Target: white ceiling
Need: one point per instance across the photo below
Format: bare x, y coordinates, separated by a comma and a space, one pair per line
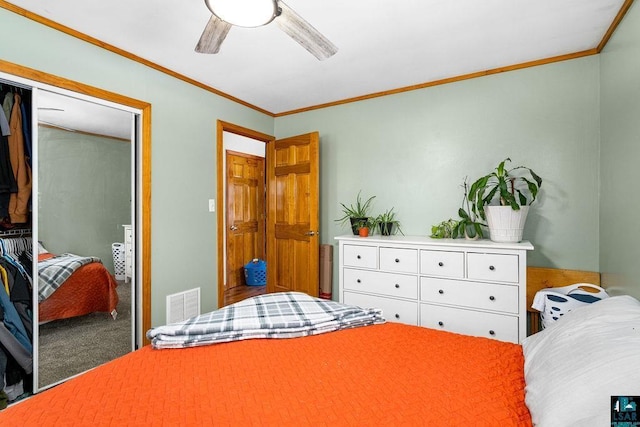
383, 45
78, 115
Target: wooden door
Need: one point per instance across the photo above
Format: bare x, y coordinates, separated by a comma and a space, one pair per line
292, 206
245, 227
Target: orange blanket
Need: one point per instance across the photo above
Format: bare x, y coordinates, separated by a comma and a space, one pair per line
388, 374
90, 289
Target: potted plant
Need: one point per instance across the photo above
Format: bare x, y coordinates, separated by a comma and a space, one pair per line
387, 223
445, 230
355, 213
513, 192
468, 225
365, 226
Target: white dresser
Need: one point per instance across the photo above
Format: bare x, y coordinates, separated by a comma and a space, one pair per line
473, 287
128, 253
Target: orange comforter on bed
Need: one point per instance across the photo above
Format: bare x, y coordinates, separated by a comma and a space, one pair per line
388, 374
90, 289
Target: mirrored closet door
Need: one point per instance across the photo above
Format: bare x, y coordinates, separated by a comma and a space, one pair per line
85, 194
69, 230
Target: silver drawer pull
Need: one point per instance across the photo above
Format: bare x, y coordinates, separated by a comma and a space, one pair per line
440, 291
441, 323
397, 286
492, 332
491, 267
441, 264
492, 298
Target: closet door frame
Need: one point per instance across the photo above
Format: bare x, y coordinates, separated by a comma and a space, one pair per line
141, 163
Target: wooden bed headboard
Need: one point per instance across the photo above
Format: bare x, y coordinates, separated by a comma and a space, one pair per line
540, 278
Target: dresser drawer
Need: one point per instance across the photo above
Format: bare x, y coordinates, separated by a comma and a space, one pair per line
493, 267
391, 284
469, 322
392, 309
486, 296
442, 263
360, 256
401, 260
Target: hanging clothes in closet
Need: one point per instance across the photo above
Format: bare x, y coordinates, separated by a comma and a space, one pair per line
16, 307
15, 157
16, 314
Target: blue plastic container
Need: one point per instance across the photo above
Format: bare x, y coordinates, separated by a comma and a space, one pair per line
255, 272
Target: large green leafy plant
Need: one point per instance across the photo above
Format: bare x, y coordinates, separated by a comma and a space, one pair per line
509, 186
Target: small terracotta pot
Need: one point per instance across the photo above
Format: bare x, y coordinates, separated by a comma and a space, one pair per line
363, 231
355, 224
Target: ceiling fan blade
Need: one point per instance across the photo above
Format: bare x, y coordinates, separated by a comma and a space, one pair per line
213, 35
304, 33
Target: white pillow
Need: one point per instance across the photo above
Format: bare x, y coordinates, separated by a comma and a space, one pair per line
574, 367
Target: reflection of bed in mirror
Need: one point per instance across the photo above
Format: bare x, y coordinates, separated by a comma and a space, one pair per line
89, 288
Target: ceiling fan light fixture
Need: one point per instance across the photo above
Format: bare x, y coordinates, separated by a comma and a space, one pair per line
244, 13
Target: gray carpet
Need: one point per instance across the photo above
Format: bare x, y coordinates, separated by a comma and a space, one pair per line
71, 346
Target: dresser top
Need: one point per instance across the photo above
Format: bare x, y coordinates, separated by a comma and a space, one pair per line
425, 240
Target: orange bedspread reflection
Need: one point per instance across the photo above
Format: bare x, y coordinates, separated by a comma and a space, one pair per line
90, 289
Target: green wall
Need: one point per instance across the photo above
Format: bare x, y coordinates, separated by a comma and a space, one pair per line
84, 192
183, 153
620, 153
413, 150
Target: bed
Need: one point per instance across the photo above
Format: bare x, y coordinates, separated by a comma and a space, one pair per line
89, 289
378, 374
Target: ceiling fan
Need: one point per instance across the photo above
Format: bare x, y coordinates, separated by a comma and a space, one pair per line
256, 13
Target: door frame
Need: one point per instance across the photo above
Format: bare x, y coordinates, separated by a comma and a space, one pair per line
143, 231
222, 127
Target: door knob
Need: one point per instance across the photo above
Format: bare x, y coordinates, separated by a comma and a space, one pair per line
310, 233
233, 228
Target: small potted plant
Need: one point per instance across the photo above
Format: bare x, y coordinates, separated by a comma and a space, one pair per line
445, 230
356, 213
387, 223
512, 192
468, 225
366, 226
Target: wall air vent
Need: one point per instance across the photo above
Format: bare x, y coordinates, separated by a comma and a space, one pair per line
183, 305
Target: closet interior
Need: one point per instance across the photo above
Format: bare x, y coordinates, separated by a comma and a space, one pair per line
16, 247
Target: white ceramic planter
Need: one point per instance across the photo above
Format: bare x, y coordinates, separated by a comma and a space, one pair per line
505, 224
